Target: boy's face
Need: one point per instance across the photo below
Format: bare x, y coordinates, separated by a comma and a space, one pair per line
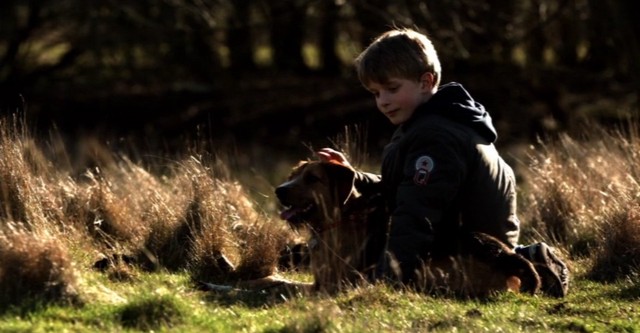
398, 98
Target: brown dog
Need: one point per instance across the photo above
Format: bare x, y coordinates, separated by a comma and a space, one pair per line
349, 227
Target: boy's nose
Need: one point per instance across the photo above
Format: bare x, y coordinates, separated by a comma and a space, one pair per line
383, 99
382, 103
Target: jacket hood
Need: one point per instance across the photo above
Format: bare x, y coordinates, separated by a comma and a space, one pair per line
454, 102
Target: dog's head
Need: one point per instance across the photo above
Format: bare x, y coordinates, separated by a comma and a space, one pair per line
315, 192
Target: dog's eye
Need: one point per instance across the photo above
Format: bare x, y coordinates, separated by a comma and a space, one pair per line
311, 178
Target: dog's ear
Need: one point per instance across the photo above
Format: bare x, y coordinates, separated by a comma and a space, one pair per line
297, 168
342, 180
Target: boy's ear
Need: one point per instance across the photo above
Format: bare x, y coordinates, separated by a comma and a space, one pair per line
428, 80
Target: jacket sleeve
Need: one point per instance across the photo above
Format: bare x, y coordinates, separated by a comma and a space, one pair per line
366, 181
433, 169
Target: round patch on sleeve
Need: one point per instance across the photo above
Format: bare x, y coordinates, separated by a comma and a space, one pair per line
424, 165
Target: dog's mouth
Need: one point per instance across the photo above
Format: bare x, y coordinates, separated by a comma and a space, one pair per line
297, 214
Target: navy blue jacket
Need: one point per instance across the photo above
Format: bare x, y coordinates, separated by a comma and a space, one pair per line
442, 176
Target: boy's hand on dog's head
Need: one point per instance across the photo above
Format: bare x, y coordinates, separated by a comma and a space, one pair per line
331, 155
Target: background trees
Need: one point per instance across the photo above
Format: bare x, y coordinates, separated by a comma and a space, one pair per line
282, 69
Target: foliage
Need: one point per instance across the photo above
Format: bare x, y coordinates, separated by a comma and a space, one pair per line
247, 69
204, 37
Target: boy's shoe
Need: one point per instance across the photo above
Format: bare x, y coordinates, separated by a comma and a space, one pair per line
554, 273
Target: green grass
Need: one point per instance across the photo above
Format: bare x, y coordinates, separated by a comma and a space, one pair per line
168, 302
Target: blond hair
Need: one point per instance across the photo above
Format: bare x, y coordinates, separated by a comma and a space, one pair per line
398, 53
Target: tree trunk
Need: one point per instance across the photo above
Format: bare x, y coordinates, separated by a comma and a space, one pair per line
373, 18
239, 39
328, 37
287, 34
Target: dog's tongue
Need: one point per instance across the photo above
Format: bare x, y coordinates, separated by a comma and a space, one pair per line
287, 214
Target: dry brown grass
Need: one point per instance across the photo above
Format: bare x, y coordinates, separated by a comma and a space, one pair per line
184, 218
223, 221
618, 254
34, 265
25, 175
55, 220
582, 196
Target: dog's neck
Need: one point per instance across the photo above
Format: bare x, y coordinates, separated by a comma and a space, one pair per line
342, 214
349, 245
339, 247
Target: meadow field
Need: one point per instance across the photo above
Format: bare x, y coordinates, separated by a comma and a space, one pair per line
98, 239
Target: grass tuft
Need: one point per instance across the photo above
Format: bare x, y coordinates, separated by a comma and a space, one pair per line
581, 196
153, 312
619, 254
34, 266
316, 321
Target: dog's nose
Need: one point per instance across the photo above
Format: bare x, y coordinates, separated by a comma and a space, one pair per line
281, 192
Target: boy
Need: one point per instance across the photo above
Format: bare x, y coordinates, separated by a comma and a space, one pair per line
441, 172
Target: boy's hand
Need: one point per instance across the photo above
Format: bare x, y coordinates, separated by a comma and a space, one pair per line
328, 155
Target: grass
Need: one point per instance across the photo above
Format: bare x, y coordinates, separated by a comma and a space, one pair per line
174, 306
157, 229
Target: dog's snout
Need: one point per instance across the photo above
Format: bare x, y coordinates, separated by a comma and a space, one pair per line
281, 192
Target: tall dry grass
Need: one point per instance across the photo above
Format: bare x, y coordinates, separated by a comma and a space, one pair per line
56, 220
35, 268
583, 195
192, 214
